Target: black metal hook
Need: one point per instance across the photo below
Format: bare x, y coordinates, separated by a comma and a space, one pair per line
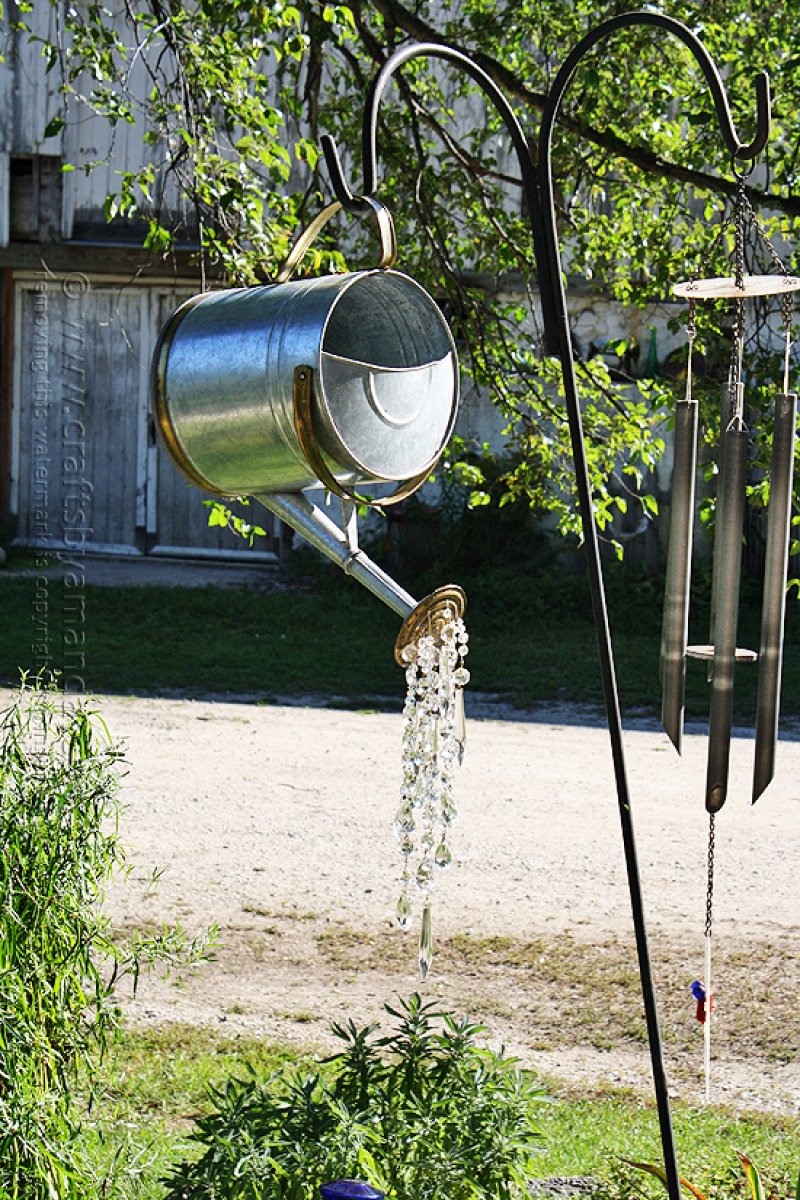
736, 148
369, 131
644, 17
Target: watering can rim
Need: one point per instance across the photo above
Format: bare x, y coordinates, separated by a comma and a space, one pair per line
360, 362
321, 399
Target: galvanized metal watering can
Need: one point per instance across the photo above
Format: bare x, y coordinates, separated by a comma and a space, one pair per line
343, 380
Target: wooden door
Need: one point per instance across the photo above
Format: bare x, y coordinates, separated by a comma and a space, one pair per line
79, 414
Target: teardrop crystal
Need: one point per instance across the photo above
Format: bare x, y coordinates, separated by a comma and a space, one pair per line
444, 857
425, 874
425, 942
403, 912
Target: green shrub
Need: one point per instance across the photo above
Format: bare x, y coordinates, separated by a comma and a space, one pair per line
58, 965
422, 1113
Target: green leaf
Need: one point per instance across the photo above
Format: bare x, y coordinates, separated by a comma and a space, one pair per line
218, 516
752, 1176
54, 126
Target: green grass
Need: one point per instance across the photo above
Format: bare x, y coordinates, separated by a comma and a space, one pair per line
153, 1087
590, 1136
579, 994
532, 639
157, 1083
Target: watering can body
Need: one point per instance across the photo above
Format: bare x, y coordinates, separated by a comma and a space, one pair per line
385, 382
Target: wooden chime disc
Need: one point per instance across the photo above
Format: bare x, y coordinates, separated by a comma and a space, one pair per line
721, 287
706, 654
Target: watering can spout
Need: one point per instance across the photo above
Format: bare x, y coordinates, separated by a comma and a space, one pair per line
325, 535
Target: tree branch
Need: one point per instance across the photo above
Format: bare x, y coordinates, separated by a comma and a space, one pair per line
638, 156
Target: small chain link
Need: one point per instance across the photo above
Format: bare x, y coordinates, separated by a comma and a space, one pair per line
710, 886
787, 312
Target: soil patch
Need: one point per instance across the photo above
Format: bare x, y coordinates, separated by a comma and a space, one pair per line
275, 822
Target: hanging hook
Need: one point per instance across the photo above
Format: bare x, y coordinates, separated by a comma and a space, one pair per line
369, 130
735, 147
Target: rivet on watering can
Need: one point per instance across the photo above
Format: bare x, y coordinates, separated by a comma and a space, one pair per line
350, 1189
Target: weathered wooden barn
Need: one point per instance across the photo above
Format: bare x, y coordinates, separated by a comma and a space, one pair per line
81, 310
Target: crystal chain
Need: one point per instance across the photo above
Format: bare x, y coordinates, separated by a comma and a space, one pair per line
433, 742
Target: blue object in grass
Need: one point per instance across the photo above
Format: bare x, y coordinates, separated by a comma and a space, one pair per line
349, 1189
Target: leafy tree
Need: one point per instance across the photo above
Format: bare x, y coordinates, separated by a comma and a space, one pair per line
238, 93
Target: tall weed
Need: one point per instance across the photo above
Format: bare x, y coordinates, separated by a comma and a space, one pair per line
59, 966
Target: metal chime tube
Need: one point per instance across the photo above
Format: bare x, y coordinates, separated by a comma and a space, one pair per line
725, 605
675, 629
774, 602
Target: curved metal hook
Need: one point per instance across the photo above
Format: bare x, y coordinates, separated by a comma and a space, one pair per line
369, 131
736, 148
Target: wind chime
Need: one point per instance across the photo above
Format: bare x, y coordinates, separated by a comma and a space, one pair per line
721, 652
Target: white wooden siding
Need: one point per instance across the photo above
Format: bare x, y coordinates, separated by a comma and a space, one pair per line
77, 416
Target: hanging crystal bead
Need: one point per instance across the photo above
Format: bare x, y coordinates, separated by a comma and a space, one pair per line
425, 942
403, 912
444, 857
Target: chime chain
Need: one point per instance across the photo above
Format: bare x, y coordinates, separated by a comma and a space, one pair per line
735, 390
738, 253
691, 336
777, 261
787, 313
710, 884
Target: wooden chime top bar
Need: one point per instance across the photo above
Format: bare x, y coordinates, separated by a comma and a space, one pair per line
706, 653
724, 286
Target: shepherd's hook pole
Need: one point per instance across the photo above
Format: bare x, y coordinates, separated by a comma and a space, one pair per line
538, 189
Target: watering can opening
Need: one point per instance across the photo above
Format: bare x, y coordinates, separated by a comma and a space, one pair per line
387, 381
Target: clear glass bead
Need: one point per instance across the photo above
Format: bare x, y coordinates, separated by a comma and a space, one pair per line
444, 857
404, 820
424, 875
403, 914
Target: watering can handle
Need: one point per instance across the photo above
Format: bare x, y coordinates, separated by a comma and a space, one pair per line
306, 238
307, 439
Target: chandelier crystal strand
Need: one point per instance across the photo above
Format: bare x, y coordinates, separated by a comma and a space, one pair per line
433, 740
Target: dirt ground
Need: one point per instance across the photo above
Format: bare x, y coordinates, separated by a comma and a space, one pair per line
276, 822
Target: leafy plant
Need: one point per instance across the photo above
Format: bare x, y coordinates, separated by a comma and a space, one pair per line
749, 1169
59, 968
423, 1112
